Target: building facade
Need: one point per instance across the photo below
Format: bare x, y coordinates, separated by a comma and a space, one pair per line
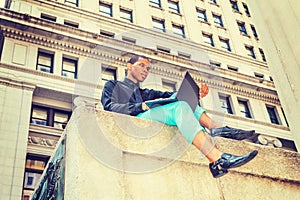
53, 51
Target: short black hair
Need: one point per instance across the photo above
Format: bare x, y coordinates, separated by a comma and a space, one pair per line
135, 58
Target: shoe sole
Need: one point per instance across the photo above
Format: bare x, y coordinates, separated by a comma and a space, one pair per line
251, 156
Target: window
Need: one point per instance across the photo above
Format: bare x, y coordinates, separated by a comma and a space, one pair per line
242, 28
174, 7
250, 51
262, 54
254, 31
208, 39
107, 34
108, 74
72, 24
105, 9
169, 86
45, 62
218, 20
158, 24
213, 1
202, 15
48, 17
260, 76
34, 167
214, 64
246, 9
130, 40
234, 5
46, 116
72, 2
244, 108
155, 3
225, 44
225, 103
184, 55
178, 30
273, 115
69, 68
232, 68
126, 15
163, 49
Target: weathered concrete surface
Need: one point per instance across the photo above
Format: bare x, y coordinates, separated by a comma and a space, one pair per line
109, 157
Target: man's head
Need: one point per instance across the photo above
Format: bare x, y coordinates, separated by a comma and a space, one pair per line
138, 68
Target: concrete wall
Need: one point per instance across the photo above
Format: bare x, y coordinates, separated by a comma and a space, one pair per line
113, 156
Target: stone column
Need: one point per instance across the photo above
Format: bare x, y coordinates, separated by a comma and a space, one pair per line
15, 106
278, 25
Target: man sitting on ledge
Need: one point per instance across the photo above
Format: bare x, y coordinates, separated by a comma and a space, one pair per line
128, 98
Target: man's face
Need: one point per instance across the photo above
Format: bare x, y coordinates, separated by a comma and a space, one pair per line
139, 71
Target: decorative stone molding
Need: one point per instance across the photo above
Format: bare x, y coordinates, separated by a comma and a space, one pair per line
41, 141
269, 141
10, 82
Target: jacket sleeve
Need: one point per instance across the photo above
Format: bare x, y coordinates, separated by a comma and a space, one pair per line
149, 94
111, 101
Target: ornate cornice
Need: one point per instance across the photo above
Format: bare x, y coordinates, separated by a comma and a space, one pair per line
116, 57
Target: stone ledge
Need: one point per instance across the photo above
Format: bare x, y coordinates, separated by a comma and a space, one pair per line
148, 139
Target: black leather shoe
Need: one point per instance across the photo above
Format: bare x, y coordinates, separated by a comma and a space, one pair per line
227, 161
232, 133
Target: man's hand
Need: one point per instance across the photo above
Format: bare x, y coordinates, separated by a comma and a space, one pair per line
203, 90
145, 107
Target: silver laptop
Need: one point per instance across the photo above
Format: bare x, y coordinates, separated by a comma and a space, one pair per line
188, 91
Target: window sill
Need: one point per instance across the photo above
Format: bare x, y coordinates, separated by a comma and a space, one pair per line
175, 13
156, 7
221, 27
204, 22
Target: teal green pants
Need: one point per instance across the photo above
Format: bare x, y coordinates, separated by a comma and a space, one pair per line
177, 114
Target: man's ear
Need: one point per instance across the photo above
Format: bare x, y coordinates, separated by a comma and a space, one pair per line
129, 66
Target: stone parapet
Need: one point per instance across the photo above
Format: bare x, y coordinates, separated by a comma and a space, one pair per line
113, 156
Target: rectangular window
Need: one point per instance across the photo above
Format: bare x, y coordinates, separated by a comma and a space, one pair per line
202, 15
234, 5
244, 108
158, 24
174, 7
69, 68
46, 116
178, 30
232, 68
242, 28
34, 167
45, 62
107, 34
225, 44
250, 51
126, 15
254, 31
213, 1
169, 86
246, 9
184, 55
273, 115
108, 74
71, 24
48, 17
155, 3
225, 103
130, 40
262, 54
208, 39
72, 2
105, 9
218, 20
163, 49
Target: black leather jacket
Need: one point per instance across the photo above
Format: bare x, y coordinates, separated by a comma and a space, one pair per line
126, 97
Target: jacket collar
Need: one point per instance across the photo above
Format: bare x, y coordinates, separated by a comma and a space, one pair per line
131, 83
